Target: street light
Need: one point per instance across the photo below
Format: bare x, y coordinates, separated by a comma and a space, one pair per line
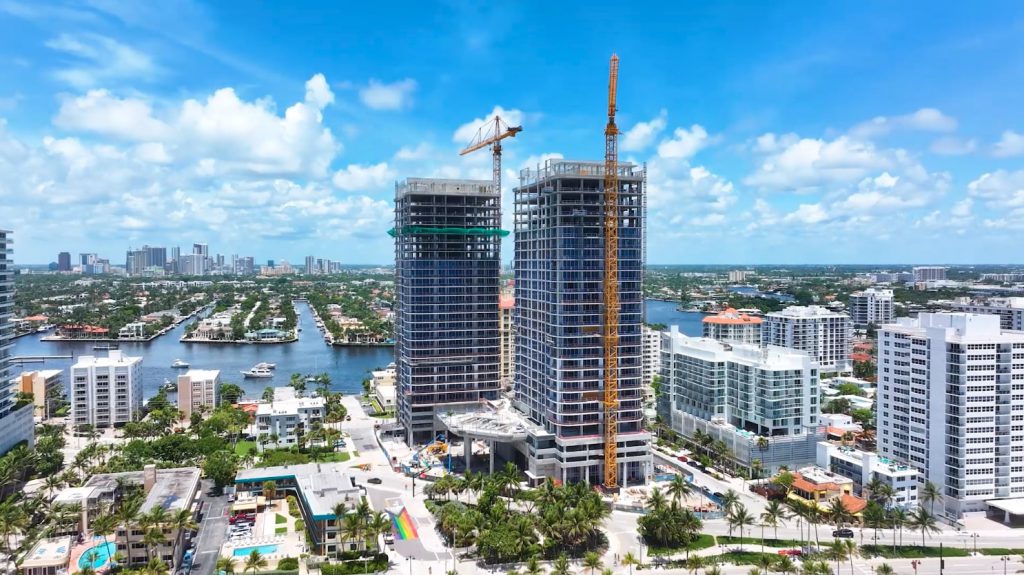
1005, 560
975, 536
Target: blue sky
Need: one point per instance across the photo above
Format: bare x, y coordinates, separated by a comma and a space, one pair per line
782, 132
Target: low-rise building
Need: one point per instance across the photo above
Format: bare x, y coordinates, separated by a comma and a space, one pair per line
733, 326
280, 423
46, 387
134, 330
813, 484
16, 423
318, 488
864, 466
198, 389
49, 556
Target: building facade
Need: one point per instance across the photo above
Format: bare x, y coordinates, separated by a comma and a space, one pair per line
929, 273
46, 387
198, 389
281, 422
447, 329
824, 334
64, 262
951, 403
1009, 309
15, 418
106, 391
864, 466
559, 271
743, 394
652, 354
872, 306
506, 303
732, 326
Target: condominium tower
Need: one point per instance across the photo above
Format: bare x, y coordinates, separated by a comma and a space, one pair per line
559, 271
951, 403
507, 303
733, 326
106, 391
15, 420
1009, 309
929, 273
871, 306
447, 265
824, 334
198, 389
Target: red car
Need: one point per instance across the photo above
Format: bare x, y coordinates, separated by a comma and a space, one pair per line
242, 517
791, 552
682, 458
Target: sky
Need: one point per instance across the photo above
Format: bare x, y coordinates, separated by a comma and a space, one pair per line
772, 132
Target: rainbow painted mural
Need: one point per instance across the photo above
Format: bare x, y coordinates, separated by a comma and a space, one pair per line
402, 525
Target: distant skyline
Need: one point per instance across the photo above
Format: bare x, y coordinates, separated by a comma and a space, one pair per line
773, 133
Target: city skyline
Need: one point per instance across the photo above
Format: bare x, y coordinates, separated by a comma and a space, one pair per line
891, 131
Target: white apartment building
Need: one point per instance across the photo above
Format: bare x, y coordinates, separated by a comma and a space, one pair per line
863, 466
742, 393
106, 391
951, 403
872, 306
736, 276
929, 273
284, 419
1009, 309
826, 335
198, 388
652, 355
733, 326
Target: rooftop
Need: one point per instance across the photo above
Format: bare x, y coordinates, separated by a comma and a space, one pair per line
173, 490
53, 552
114, 358
731, 316
440, 186
321, 485
202, 374
810, 311
965, 327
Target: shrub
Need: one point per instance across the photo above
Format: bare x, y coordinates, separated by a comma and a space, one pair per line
288, 564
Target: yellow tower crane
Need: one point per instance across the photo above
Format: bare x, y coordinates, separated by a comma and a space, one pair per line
491, 134
611, 285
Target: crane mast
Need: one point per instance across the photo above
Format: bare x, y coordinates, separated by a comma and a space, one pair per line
611, 285
487, 135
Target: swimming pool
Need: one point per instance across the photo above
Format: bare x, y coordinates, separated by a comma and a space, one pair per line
97, 556
263, 549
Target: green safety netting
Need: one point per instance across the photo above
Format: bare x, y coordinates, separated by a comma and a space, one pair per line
453, 231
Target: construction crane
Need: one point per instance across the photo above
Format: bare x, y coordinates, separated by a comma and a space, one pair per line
611, 285
491, 134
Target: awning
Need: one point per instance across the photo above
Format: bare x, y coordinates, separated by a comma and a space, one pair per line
1013, 506
245, 506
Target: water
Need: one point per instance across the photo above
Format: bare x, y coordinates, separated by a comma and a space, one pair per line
263, 549
752, 291
665, 312
98, 554
347, 366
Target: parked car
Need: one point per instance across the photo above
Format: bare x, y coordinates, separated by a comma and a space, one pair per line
374, 480
843, 533
251, 517
791, 552
682, 458
231, 497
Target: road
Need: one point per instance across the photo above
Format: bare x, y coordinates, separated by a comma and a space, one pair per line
212, 531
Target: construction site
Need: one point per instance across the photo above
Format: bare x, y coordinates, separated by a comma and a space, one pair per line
575, 408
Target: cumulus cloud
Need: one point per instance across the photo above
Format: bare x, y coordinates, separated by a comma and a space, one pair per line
99, 59
1010, 144
378, 95
684, 144
924, 120
318, 93
101, 112
643, 134
953, 146
807, 214
359, 178
1001, 189
467, 131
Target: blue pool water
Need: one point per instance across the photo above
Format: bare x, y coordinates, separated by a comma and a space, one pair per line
263, 549
97, 556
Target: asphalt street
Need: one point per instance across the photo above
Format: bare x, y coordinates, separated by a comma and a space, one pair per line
212, 531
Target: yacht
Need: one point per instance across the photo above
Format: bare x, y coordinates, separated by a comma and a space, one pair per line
258, 372
178, 364
265, 365
169, 385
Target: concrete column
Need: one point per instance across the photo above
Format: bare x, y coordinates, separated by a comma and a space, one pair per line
491, 449
469, 452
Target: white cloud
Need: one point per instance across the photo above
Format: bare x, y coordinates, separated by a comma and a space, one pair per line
1000, 190
318, 93
101, 112
153, 152
807, 214
395, 96
420, 152
100, 59
466, 132
359, 178
684, 144
953, 146
643, 134
1010, 144
808, 164
962, 209
925, 120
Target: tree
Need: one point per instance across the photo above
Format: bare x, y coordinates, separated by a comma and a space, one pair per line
127, 514
656, 500
230, 393
774, 514
269, 490
740, 519
226, 564
560, 566
533, 567
679, 488
268, 394
930, 493
922, 520
592, 561
838, 514
152, 539
254, 562
693, 563
884, 569
729, 500
630, 560
785, 565
104, 525
377, 525
221, 467
785, 480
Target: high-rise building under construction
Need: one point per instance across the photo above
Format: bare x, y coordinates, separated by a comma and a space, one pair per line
447, 266
559, 320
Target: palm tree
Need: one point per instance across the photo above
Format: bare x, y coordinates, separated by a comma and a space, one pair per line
592, 561
182, 521
923, 521
766, 563
227, 565
656, 500
679, 488
152, 539
127, 514
774, 514
560, 566
693, 564
897, 519
103, 526
851, 551
740, 518
156, 567
269, 490
884, 569
533, 567
629, 560
353, 528
930, 493
729, 499
874, 517
254, 562
785, 565
837, 513
377, 525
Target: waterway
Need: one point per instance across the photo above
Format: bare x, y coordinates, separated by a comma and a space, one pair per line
753, 291
347, 366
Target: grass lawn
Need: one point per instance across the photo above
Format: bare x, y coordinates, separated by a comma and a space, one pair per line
745, 557
1001, 551
703, 541
242, 447
912, 551
278, 518
756, 541
275, 457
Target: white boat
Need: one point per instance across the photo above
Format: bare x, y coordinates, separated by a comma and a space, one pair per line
265, 365
258, 373
179, 364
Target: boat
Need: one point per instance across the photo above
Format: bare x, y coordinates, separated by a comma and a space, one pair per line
169, 385
178, 364
105, 346
265, 365
258, 373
